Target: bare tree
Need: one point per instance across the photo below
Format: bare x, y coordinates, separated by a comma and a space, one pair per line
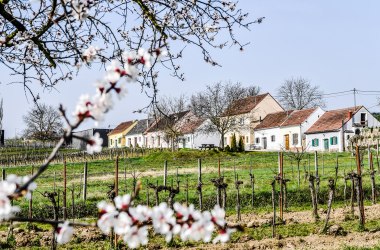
252, 90
216, 104
43, 123
167, 112
298, 93
46, 41
1, 118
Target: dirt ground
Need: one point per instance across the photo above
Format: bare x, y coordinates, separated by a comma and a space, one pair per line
38, 237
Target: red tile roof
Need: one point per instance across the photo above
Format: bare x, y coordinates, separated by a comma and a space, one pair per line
121, 127
285, 118
166, 121
297, 117
190, 126
274, 120
245, 105
332, 120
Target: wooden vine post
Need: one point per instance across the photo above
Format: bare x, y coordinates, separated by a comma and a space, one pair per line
329, 203
281, 183
273, 184
199, 186
30, 213
372, 174
165, 172
252, 180
359, 189
85, 173
64, 206
116, 191
313, 197
317, 179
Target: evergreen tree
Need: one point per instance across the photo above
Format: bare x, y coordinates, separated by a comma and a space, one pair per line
233, 143
241, 147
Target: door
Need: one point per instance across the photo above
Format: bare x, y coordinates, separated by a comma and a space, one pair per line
287, 142
265, 144
326, 144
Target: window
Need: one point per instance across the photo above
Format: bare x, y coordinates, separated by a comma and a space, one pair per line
119, 140
315, 142
139, 139
295, 139
257, 140
111, 142
188, 139
334, 140
363, 117
273, 138
348, 137
246, 139
241, 121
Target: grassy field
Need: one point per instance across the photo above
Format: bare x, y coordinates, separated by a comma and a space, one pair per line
149, 169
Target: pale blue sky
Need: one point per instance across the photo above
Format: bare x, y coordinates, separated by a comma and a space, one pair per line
335, 44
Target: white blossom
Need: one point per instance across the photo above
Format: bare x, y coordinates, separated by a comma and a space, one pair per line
224, 235
144, 57
94, 144
90, 54
136, 236
107, 216
64, 233
162, 218
218, 216
122, 223
6, 209
123, 202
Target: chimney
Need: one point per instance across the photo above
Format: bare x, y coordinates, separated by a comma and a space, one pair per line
349, 115
261, 119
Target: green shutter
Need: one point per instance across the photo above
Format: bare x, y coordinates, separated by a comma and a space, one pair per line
313, 142
331, 140
336, 140
317, 142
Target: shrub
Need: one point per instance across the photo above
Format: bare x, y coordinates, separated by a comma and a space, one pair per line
233, 143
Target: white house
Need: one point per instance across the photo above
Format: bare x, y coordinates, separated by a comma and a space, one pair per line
193, 133
334, 129
159, 134
285, 130
246, 114
135, 137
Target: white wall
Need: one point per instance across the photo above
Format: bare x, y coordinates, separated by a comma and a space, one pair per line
321, 137
311, 119
268, 133
130, 140
196, 139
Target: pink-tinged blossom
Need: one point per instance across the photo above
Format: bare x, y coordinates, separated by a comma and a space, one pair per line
129, 57
163, 219
224, 235
144, 57
218, 216
203, 228
90, 54
13, 182
160, 53
7, 211
141, 213
136, 236
64, 233
7, 187
123, 223
107, 214
123, 202
114, 72
185, 213
94, 144
31, 187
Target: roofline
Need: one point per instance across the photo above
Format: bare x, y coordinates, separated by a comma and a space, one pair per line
324, 131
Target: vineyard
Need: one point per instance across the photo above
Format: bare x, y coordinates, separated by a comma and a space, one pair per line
281, 199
